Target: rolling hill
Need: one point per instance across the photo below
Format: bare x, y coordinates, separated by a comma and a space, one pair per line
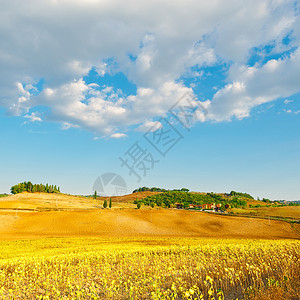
37, 215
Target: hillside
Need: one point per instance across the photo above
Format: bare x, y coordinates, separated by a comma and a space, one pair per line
49, 201
132, 222
46, 201
33, 215
36, 215
291, 213
130, 198
173, 198
40, 201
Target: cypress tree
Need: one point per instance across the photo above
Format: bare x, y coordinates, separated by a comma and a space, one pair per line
105, 204
110, 204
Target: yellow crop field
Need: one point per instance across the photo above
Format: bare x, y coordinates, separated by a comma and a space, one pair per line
288, 212
149, 268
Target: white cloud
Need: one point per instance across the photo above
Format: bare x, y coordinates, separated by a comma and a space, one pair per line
154, 44
149, 126
100, 115
79, 68
287, 101
289, 111
66, 126
118, 135
32, 118
101, 69
253, 86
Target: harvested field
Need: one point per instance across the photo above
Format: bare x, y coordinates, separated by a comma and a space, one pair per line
144, 222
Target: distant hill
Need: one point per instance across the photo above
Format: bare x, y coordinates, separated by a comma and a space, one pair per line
52, 200
170, 198
142, 222
131, 198
34, 215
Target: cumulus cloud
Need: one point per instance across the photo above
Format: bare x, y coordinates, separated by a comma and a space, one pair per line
253, 86
32, 118
91, 107
153, 43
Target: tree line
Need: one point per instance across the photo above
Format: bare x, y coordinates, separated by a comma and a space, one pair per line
29, 187
245, 195
169, 198
156, 189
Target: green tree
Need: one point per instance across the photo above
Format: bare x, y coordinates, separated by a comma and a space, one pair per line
13, 190
185, 205
105, 204
110, 203
138, 206
19, 188
29, 186
95, 195
34, 188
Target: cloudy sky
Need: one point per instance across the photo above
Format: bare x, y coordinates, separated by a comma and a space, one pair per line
200, 94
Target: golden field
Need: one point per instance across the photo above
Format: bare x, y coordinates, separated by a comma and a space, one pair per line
37, 215
143, 223
149, 268
46, 201
68, 247
288, 212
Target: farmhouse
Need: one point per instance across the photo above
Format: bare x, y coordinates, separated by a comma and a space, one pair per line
204, 206
178, 205
210, 206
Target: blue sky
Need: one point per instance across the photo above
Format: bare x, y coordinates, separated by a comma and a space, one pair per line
83, 82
